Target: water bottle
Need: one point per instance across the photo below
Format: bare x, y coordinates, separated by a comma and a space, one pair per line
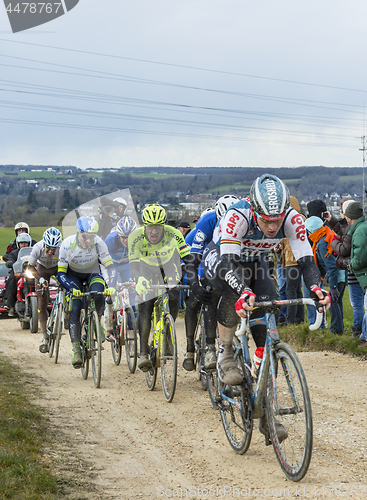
256, 362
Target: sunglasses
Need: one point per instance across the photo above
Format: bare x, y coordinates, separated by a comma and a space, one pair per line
49, 248
87, 236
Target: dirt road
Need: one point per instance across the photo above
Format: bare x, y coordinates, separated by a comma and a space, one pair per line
127, 442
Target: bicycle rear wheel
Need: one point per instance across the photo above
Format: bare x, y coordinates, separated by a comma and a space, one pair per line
131, 338
116, 345
84, 345
95, 340
169, 358
236, 414
288, 402
58, 330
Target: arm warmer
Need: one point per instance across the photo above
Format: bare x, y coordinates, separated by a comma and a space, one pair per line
310, 271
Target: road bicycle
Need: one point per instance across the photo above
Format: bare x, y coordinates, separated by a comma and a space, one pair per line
124, 327
55, 323
91, 336
163, 347
278, 394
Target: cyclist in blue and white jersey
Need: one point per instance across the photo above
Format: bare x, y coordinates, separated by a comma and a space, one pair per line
202, 235
249, 230
80, 257
118, 249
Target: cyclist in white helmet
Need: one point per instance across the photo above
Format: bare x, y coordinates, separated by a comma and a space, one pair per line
43, 264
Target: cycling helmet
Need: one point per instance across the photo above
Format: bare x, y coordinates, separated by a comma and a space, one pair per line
206, 211
223, 204
23, 238
52, 237
126, 225
269, 197
153, 215
120, 201
87, 225
21, 225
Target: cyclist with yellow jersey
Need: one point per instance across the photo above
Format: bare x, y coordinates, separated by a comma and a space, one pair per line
155, 253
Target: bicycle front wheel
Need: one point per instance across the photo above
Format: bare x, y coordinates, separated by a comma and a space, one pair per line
84, 345
288, 404
212, 383
50, 328
116, 345
236, 411
151, 374
95, 343
169, 358
33, 312
58, 330
131, 338
201, 355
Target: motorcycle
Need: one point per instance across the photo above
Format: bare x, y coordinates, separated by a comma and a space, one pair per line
26, 306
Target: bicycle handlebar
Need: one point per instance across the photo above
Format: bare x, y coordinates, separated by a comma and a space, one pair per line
282, 303
169, 287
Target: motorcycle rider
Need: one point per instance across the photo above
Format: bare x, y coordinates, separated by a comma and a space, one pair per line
22, 240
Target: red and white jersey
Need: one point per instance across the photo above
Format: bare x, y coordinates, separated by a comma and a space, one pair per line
240, 235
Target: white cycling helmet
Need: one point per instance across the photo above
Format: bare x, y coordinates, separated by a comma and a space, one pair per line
206, 211
269, 197
23, 238
223, 204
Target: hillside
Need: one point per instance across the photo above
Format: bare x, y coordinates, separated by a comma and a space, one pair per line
38, 192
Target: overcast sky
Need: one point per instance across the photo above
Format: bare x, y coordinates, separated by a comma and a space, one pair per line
186, 82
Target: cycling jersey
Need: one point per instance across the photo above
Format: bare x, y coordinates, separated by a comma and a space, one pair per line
241, 236
153, 258
203, 232
39, 256
81, 261
118, 252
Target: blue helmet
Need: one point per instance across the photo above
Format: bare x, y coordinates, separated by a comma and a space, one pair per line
269, 197
87, 225
52, 237
126, 225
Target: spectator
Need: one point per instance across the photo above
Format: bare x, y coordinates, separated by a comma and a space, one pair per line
293, 275
342, 247
321, 237
282, 283
358, 257
184, 228
316, 208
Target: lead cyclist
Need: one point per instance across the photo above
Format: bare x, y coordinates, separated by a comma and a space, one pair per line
237, 265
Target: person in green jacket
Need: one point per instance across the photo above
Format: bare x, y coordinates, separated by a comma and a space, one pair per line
358, 258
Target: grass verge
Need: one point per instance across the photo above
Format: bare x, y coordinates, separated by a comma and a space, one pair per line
301, 338
22, 435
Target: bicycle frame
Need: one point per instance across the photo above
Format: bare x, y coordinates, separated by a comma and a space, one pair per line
272, 338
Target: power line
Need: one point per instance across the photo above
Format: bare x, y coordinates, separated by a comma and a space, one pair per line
231, 73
